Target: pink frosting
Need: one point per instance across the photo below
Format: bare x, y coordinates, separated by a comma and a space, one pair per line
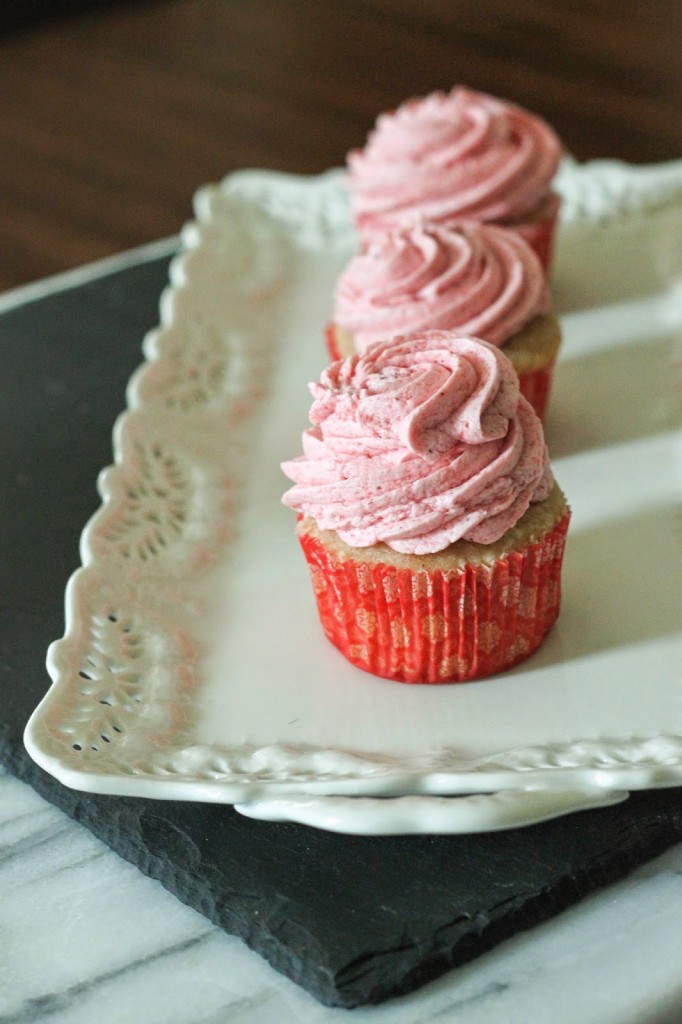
457, 155
419, 442
473, 278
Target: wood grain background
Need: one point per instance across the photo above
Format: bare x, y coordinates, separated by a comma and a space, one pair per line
111, 116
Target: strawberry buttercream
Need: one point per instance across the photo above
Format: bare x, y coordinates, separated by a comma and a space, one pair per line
477, 279
417, 443
456, 155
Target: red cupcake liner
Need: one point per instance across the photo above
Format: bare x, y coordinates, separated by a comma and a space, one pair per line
540, 233
330, 340
536, 385
416, 626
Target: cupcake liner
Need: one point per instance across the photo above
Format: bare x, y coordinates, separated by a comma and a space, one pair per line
540, 233
419, 626
536, 385
330, 341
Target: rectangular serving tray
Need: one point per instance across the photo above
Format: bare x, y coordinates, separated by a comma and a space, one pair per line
192, 665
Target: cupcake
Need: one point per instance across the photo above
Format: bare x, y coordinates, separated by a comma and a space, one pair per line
428, 514
476, 279
461, 155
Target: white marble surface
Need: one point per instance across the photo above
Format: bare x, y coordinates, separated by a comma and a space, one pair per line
84, 937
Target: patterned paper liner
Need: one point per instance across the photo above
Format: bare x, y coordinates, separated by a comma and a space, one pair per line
416, 626
536, 385
540, 233
330, 341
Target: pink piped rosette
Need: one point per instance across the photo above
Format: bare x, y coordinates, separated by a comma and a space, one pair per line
429, 517
462, 155
477, 279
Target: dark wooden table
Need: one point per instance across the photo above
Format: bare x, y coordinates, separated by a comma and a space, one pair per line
111, 117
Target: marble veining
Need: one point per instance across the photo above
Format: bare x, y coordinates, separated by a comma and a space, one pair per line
85, 937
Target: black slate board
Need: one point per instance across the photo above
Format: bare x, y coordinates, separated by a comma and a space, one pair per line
353, 919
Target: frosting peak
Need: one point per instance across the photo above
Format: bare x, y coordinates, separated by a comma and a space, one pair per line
419, 442
456, 155
477, 279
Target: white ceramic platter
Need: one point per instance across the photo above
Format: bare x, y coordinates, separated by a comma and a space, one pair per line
193, 666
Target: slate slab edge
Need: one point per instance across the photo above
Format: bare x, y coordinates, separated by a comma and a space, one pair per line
640, 829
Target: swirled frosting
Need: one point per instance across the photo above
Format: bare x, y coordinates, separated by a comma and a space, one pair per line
419, 442
474, 278
456, 155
